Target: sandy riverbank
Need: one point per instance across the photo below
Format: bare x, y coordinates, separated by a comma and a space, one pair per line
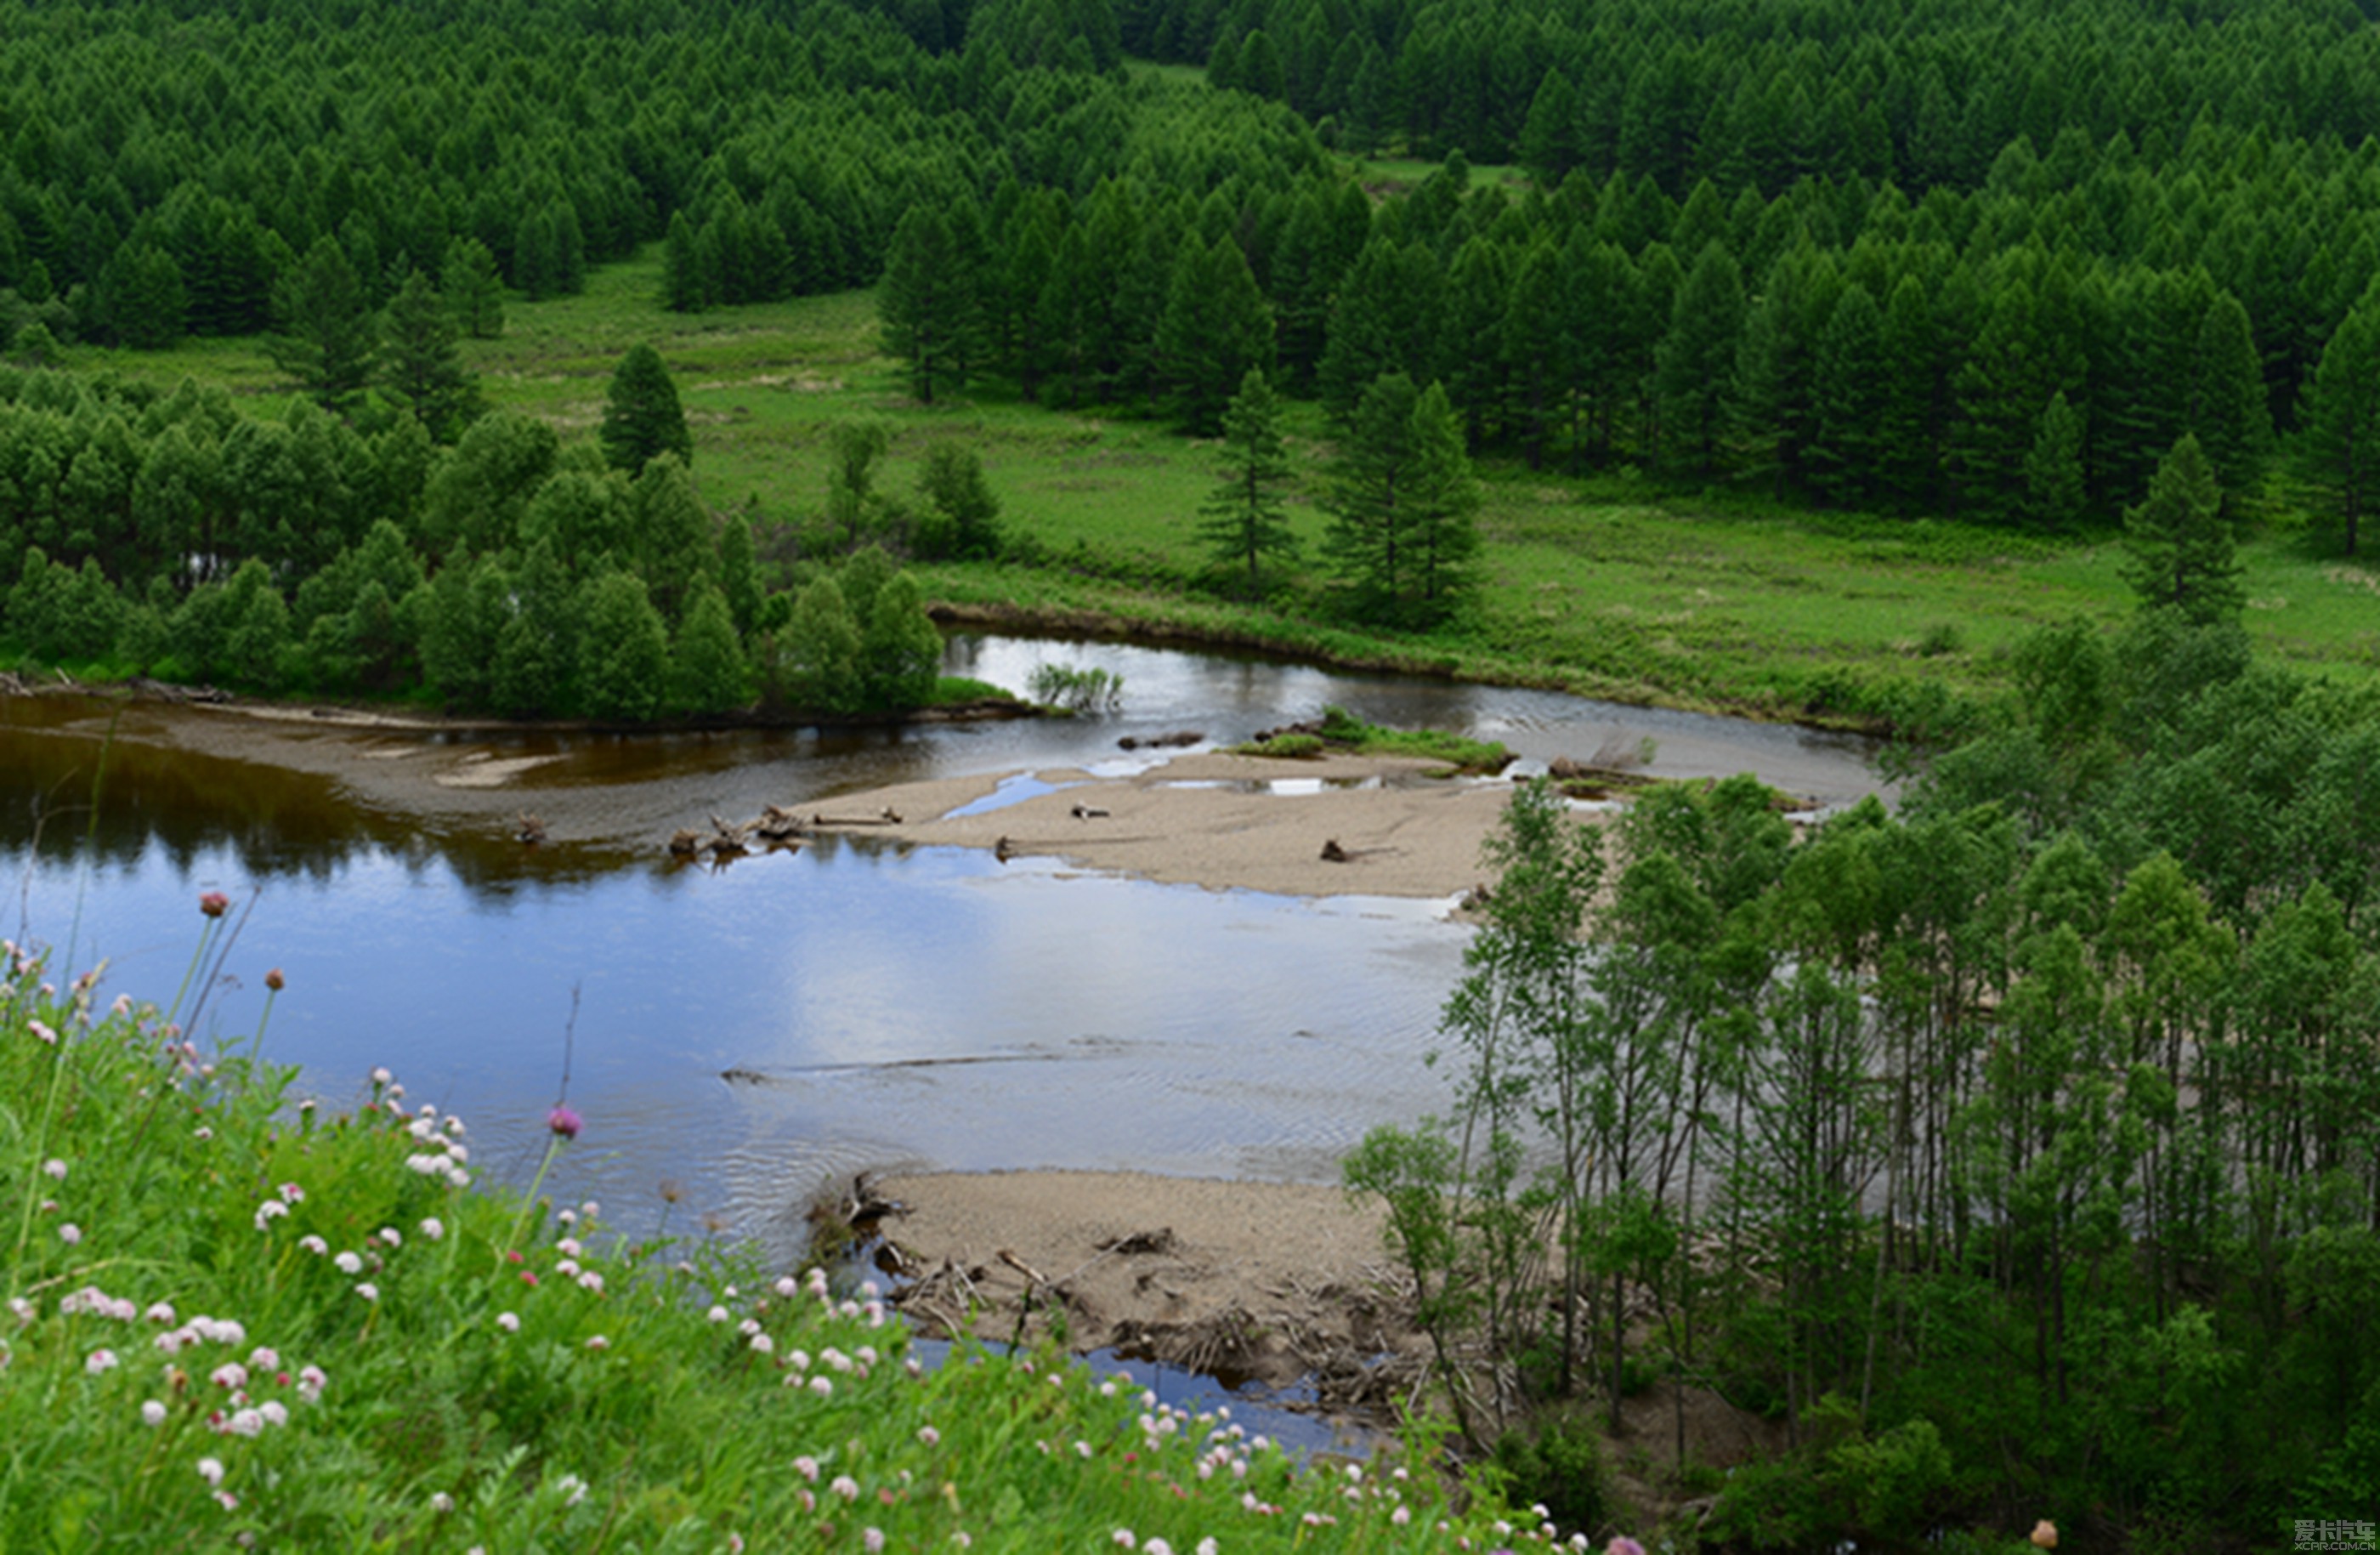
1213, 820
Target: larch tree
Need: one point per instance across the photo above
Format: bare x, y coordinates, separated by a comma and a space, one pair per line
641, 414
1245, 521
2179, 543
326, 334
925, 305
419, 361
2340, 447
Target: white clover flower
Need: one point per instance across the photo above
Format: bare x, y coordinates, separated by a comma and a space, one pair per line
70, 1233
380, 1075
211, 1470
599, 1341
349, 1263
264, 1357
568, 1246
267, 1212
99, 1361
291, 1192
762, 1344
276, 1413
508, 1322
246, 1422
367, 1290
591, 1281
388, 1234
717, 1314
846, 1486
56, 1169
310, 1384
152, 1412
231, 1374
821, 1386
808, 1467
442, 1503
432, 1229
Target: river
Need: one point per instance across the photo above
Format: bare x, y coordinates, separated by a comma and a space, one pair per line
878, 1006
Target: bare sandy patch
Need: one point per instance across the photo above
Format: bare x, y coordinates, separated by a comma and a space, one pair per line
482, 771
1215, 820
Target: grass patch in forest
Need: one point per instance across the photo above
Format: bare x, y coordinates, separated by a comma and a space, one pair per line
1613, 585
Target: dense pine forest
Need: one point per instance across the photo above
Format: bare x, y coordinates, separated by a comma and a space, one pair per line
2016, 1148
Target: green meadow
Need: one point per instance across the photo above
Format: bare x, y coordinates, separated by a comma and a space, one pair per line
1614, 584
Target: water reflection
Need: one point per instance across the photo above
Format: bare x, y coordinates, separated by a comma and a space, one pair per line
881, 1005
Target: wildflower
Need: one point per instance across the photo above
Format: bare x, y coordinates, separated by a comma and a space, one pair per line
565, 1122
349, 1263
573, 1489
1208, 1546
276, 1413
381, 1077
928, 1435
203, 1134
246, 1422
152, 1412
717, 1314
291, 1192
389, 1235
41, 1029
311, 1382
1156, 1546
99, 1361
211, 1470
231, 1374
269, 1211
369, 1291
1124, 1538
226, 1500
264, 1357
1401, 1516
872, 1540
432, 1229
214, 903
442, 1503
846, 1486
57, 1170
762, 1344
275, 980
822, 1387
314, 1244
24, 1309
2044, 1534
507, 1321
599, 1343
70, 1233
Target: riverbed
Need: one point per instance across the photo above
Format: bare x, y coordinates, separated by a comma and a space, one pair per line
738, 1037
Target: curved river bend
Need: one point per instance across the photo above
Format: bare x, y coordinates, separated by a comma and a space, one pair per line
877, 1005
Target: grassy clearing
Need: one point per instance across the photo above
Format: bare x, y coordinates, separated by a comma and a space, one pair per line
1611, 585
263, 1322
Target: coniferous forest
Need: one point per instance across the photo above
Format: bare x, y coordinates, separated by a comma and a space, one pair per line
2017, 1149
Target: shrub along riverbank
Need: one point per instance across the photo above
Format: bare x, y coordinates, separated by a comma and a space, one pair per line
267, 1321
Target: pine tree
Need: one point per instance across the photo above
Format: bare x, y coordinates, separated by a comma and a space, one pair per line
925, 305
1366, 496
2339, 444
1441, 498
1217, 328
1245, 521
419, 361
641, 414
2179, 543
2052, 470
1695, 362
2227, 405
471, 286
326, 332
1851, 385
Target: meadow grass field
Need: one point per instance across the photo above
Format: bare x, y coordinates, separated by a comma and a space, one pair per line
1613, 585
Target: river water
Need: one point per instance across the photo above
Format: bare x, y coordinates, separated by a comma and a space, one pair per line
739, 1038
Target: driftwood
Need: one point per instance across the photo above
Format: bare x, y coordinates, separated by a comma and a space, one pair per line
1088, 812
885, 817
1158, 742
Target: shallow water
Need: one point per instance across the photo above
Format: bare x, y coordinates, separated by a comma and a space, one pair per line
876, 1005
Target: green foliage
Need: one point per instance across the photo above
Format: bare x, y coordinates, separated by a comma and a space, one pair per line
1560, 1466
1076, 688
326, 339
2180, 544
419, 363
961, 518
642, 417
1244, 522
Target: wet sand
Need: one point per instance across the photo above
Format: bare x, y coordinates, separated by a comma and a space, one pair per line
1209, 818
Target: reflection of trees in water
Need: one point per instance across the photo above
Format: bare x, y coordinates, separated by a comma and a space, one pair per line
122, 805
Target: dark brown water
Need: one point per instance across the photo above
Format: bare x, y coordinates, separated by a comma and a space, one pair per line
880, 1006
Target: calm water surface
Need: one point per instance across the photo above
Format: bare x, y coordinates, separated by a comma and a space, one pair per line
747, 1035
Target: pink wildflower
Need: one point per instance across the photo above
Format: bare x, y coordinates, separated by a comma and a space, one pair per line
214, 903
565, 1122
